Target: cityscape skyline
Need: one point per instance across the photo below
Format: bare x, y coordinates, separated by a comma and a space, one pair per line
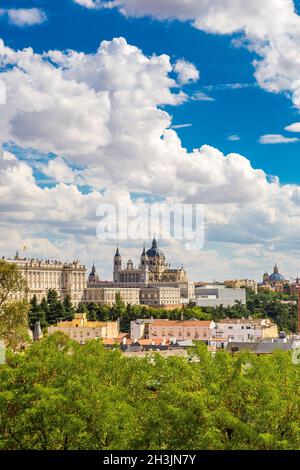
95, 266
149, 229
222, 128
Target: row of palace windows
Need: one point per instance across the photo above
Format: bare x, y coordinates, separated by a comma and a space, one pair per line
180, 334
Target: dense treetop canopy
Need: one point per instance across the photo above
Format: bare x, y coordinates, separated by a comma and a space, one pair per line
61, 395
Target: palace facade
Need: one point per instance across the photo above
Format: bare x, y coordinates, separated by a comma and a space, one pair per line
68, 279
107, 295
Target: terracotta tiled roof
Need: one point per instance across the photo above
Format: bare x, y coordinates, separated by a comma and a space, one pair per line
156, 341
128, 341
108, 341
123, 335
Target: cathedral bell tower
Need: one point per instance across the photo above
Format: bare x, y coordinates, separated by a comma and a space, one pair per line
144, 267
117, 265
144, 259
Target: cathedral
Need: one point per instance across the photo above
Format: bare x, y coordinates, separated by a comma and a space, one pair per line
274, 279
153, 268
153, 280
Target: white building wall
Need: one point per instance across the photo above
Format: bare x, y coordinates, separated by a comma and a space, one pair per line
244, 331
214, 296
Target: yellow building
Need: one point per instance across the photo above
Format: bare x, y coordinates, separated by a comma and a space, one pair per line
81, 330
240, 283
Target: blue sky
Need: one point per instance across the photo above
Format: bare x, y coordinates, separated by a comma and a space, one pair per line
247, 112
251, 223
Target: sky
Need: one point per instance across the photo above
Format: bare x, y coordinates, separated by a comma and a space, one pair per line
177, 101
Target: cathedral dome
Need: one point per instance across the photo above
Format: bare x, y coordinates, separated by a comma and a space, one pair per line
276, 276
154, 252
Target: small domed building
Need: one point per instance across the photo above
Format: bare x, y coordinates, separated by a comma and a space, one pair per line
275, 279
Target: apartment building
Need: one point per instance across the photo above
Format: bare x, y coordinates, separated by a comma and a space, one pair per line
180, 330
242, 330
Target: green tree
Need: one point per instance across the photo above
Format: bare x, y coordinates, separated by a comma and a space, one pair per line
103, 313
13, 313
56, 311
69, 310
82, 308
52, 296
62, 395
45, 308
14, 324
11, 282
36, 313
118, 310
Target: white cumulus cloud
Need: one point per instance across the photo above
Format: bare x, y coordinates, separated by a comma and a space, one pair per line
187, 72
102, 115
24, 16
270, 28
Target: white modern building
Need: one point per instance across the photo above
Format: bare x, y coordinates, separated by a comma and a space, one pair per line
212, 295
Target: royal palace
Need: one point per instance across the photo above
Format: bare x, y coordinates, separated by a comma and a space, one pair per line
152, 282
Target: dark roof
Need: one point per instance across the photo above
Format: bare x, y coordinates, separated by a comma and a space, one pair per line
276, 277
258, 347
135, 347
270, 347
93, 271
154, 251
